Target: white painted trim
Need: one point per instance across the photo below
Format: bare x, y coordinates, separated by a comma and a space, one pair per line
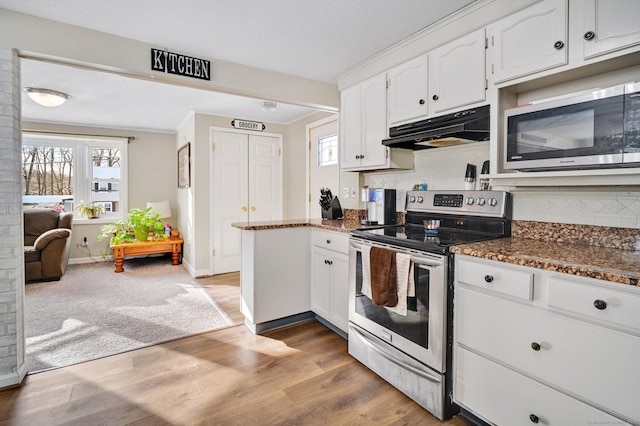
307, 133
13, 379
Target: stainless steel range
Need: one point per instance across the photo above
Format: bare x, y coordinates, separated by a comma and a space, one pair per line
409, 343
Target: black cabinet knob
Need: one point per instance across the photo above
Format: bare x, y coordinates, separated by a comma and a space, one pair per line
600, 304
535, 346
435, 97
589, 35
328, 241
329, 262
558, 45
421, 101
488, 278
533, 418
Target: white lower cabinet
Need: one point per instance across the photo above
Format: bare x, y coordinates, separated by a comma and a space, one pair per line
329, 274
538, 346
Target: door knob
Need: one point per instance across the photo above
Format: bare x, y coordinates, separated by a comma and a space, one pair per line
244, 209
253, 209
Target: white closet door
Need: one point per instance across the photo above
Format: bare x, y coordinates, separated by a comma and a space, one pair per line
230, 198
265, 178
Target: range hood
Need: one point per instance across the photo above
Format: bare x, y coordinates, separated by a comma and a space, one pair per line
468, 126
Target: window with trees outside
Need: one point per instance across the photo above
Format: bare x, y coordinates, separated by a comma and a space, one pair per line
60, 171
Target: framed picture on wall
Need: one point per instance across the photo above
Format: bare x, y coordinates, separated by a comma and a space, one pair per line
184, 166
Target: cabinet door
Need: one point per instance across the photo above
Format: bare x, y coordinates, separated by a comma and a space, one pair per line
351, 127
531, 40
505, 397
265, 178
340, 291
609, 26
457, 73
321, 282
407, 92
374, 122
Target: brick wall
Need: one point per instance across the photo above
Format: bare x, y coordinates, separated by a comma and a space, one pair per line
11, 253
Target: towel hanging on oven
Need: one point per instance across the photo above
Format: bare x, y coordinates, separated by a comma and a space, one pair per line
384, 290
403, 267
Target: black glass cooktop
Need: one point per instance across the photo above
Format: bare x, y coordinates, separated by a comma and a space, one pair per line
415, 236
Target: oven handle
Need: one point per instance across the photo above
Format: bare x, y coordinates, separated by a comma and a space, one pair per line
420, 372
414, 259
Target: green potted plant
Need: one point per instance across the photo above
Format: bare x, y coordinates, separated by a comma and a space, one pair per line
90, 210
136, 226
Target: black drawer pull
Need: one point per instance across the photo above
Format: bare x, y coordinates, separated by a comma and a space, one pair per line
435, 97
533, 418
535, 346
421, 101
600, 304
558, 45
488, 278
589, 35
328, 241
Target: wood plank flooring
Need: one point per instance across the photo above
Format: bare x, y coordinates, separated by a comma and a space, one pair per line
299, 375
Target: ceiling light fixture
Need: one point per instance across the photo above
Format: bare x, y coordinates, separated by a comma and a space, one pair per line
46, 97
268, 106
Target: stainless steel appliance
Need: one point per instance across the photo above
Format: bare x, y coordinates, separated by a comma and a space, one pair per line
600, 128
471, 125
380, 206
410, 347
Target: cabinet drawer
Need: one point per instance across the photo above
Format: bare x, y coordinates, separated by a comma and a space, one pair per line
600, 303
495, 278
592, 362
505, 397
336, 241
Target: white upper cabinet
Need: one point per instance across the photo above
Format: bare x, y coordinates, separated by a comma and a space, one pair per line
407, 91
457, 73
608, 25
531, 40
363, 126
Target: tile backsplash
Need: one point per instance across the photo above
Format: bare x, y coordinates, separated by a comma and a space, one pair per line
444, 168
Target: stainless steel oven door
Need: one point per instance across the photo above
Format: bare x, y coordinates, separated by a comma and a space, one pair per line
422, 332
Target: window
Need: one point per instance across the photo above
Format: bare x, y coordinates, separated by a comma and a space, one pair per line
328, 151
59, 171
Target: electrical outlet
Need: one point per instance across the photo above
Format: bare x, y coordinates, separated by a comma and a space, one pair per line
84, 242
345, 192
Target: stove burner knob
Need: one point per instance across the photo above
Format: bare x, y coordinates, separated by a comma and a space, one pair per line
420, 199
481, 201
412, 199
470, 201
493, 202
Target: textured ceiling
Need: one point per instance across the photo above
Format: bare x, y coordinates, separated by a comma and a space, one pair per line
314, 39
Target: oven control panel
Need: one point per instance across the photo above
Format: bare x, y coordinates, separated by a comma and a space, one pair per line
476, 203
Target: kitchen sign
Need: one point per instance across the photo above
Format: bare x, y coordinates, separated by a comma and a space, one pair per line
175, 63
248, 125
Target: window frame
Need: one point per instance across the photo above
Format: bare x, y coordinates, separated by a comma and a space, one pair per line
82, 167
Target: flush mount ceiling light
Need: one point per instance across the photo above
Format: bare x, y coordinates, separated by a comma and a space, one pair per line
268, 106
46, 97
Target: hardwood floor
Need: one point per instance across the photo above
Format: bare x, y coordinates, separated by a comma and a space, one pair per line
299, 375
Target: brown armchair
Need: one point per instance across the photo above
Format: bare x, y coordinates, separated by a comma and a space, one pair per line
47, 238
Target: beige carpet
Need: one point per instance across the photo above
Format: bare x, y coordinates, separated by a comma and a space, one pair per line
92, 312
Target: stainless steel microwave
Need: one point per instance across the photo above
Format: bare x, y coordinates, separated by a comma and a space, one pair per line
597, 129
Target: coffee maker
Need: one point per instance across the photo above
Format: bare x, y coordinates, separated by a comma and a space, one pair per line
379, 205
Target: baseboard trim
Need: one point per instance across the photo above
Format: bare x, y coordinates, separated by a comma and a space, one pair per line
279, 323
14, 379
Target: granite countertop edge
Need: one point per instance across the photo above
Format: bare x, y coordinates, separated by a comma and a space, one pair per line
338, 225
613, 265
